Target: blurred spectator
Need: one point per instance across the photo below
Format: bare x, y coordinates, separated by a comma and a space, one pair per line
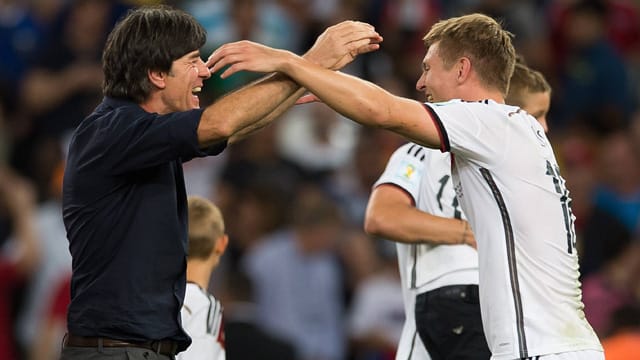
593, 86
618, 192
376, 316
600, 233
298, 279
244, 338
524, 20
403, 24
19, 253
53, 322
351, 185
54, 269
266, 22
624, 340
621, 21
254, 189
4, 138
64, 84
24, 30
612, 287
316, 138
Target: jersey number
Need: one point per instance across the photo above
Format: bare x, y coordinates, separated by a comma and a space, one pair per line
454, 203
565, 202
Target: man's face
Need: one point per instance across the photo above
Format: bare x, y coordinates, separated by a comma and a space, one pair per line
437, 82
537, 105
184, 82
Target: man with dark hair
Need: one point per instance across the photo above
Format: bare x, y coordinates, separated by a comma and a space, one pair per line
124, 199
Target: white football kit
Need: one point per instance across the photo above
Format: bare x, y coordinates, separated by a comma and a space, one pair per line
425, 175
508, 183
201, 317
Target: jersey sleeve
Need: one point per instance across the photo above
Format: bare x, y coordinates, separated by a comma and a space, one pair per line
469, 129
404, 169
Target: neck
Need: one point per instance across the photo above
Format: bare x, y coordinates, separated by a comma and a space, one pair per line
486, 95
475, 91
199, 272
154, 105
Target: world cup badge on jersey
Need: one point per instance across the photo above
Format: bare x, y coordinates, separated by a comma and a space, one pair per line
409, 171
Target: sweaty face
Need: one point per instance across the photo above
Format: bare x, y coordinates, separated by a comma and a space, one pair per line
537, 104
184, 82
437, 82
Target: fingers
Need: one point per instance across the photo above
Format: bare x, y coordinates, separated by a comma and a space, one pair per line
360, 34
221, 57
234, 55
306, 99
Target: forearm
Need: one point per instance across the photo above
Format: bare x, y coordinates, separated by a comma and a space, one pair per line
364, 102
247, 109
43, 90
25, 233
406, 224
268, 119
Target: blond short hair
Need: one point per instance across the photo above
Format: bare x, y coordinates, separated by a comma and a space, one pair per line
483, 41
206, 226
525, 81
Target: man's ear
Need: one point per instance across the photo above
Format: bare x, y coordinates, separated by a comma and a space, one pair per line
221, 244
463, 67
157, 78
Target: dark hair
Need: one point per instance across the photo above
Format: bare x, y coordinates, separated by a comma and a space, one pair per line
147, 38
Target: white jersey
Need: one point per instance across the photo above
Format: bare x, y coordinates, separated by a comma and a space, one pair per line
410, 346
425, 175
202, 320
508, 183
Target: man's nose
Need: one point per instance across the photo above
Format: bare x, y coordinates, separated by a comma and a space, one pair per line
203, 70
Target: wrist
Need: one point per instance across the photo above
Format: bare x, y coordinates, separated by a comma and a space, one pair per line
465, 229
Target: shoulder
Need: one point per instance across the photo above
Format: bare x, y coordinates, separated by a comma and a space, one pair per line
112, 111
406, 154
196, 299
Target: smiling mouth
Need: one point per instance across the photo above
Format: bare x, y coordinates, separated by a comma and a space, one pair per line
429, 98
196, 90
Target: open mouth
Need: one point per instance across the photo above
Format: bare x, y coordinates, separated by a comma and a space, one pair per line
196, 90
429, 98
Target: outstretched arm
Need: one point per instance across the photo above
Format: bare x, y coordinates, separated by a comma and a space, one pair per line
357, 99
392, 215
254, 106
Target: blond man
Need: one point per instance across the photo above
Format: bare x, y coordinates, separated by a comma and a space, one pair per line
530, 91
201, 313
504, 173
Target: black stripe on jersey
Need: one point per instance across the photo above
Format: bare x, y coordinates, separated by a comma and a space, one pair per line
417, 150
210, 315
444, 137
414, 270
511, 258
413, 344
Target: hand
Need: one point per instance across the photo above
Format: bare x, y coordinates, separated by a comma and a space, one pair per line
246, 55
339, 44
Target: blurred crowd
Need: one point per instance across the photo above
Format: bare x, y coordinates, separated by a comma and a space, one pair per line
293, 196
